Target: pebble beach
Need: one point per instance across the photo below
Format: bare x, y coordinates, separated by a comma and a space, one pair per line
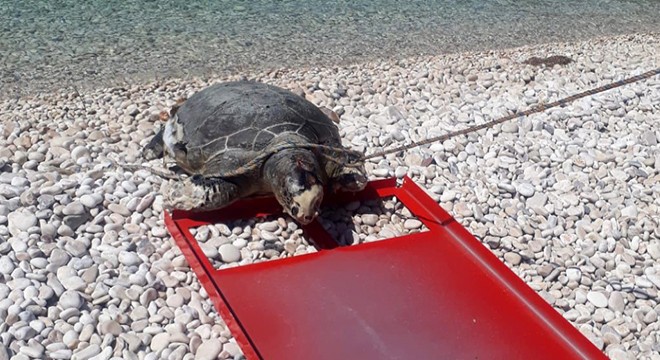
569, 199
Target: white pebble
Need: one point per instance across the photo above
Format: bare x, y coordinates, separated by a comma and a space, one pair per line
20, 221
412, 224
573, 274
129, 258
598, 299
91, 201
229, 253
160, 341
525, 189
209, 349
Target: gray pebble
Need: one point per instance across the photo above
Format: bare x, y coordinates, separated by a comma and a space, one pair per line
75, 221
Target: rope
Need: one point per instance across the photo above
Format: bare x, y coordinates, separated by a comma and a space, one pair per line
530, 111
353, 158
136, 167
349, 158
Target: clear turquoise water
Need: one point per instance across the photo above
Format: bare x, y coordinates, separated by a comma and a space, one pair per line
48, 43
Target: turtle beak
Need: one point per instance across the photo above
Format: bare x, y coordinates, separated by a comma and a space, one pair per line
307, 219
308, 203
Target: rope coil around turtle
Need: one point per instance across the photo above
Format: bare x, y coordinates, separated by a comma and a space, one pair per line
355, 158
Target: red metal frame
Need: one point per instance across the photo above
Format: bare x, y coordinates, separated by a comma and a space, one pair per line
435, 294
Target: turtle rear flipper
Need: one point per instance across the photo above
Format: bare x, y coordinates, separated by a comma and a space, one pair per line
198, 193
154, 149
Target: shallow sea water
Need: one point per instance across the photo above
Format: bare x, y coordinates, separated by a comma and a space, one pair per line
48, 44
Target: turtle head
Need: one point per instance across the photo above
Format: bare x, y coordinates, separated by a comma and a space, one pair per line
295, 178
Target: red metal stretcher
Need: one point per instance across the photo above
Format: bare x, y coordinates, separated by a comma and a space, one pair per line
438, 294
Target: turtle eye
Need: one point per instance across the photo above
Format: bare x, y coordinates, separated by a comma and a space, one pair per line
294, 210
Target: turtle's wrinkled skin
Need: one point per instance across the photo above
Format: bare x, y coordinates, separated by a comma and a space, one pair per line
219, 137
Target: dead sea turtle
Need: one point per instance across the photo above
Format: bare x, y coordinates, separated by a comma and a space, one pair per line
238, 139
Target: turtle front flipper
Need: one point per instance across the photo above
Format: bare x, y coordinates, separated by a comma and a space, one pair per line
198, 193
345, 171
349, 179
154, 149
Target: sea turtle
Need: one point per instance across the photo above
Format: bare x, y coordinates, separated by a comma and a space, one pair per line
238, 139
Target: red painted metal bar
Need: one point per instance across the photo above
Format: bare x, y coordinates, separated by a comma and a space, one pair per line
429, 295
205, 272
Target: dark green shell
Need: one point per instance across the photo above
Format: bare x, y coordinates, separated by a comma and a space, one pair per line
231, 123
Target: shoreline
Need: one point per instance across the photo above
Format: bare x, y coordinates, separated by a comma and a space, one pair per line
21, 89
